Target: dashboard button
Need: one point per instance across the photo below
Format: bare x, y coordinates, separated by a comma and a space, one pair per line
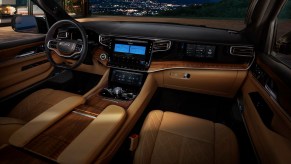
200, 51
210, 51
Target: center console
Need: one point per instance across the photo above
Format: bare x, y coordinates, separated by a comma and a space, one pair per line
129, 59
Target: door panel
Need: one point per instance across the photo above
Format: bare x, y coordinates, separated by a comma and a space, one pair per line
269, 125
19, 73
7, 52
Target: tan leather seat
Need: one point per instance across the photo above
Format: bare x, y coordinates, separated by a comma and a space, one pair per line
29, 108
168, 137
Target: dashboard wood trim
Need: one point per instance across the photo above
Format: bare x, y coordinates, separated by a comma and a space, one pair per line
166, 65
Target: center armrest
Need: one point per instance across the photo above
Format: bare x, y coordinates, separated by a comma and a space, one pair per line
94, 137
33, 128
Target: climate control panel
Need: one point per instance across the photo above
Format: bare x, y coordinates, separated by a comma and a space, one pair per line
126, 77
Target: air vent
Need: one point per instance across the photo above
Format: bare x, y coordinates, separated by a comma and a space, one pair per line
104, 40
247, 51
161, 45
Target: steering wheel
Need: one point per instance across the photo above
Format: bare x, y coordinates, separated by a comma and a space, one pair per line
66, 49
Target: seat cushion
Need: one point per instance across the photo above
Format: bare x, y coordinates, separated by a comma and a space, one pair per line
7, 127
38, 102
168, 137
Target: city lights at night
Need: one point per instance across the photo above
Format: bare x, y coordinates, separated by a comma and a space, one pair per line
135, 7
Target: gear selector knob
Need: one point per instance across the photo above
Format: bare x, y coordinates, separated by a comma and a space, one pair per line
117, 91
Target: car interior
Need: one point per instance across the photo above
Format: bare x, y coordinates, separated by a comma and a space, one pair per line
145, 91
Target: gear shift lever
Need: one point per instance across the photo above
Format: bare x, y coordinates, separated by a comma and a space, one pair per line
117, 91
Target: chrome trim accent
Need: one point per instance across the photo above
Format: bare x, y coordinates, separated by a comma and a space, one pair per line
128, 69
269, 90
64, 56
102, 35
232, 47
84, 114
26, 54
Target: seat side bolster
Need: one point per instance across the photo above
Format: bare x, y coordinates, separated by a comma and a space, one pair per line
33, 128
225, 145
148, 137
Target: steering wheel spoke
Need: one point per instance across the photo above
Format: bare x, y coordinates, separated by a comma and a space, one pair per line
79, 47
52, 44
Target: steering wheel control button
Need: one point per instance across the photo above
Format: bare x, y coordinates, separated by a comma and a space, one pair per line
52, 44
78, 48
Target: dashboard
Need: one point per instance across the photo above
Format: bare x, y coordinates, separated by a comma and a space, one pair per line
135, 48
151, 47
190, 58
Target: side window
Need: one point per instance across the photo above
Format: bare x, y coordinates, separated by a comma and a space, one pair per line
8, 9
283, 39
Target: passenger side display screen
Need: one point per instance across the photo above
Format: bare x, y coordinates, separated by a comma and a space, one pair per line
130, 49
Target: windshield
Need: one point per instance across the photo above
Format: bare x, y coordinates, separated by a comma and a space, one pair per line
228, 14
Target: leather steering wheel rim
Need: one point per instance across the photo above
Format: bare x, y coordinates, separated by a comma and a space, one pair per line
50, 37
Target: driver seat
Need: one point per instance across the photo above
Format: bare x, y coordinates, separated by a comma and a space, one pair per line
29, 108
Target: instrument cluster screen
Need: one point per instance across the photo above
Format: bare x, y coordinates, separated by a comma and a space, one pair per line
130, 49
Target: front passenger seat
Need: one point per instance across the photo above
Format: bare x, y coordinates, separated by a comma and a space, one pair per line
168, 137
29, 108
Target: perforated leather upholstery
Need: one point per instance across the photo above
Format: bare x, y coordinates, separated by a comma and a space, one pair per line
168, 137
29, 108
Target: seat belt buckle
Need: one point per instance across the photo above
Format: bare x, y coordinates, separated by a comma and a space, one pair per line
133, 142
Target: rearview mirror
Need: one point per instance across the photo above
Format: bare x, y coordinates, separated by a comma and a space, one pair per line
24, 23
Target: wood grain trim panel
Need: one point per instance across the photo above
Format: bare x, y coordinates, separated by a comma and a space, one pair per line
10, 154
97, 53
55, 139
10, 53
164, 65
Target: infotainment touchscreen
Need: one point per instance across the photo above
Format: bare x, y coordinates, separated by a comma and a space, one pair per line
130, 49
130, 53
